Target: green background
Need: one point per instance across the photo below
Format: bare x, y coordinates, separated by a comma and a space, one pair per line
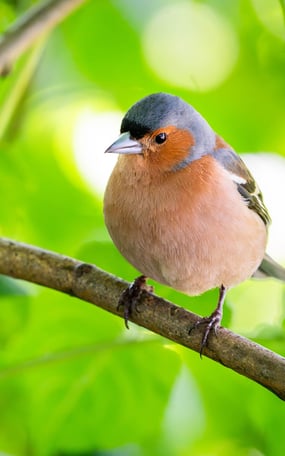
73, 381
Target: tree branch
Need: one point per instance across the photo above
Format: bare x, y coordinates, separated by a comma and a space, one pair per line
87, 282
35, 23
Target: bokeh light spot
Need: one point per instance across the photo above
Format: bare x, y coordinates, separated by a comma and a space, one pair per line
191, 46
271, 16
93, 133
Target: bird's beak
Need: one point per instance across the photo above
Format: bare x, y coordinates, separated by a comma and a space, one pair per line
125, 145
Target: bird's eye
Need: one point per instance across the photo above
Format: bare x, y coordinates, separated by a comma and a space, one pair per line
160, 138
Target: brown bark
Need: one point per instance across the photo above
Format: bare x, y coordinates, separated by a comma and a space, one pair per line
89, 283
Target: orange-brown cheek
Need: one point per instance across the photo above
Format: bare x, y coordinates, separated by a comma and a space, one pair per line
175, 149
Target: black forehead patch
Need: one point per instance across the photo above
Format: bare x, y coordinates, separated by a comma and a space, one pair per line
156, 111
135, 129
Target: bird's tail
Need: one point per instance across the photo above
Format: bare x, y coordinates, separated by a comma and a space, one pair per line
270, 268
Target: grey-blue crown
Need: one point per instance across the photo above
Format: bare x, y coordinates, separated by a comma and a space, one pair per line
160, 110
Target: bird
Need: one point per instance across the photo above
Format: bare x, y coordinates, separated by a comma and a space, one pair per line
182, 207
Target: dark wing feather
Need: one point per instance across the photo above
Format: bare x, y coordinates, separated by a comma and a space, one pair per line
246, 184
252, 195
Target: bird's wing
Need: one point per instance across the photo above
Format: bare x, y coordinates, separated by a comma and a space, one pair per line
239, 173
252, 195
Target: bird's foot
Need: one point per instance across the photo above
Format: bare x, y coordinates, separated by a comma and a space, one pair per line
130, 297
213, 321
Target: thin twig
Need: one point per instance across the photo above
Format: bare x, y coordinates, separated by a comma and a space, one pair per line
71, 353
34, 24
93, 285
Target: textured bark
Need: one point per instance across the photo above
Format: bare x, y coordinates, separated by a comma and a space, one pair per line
89, 283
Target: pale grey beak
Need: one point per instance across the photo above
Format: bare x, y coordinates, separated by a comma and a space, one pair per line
125, 145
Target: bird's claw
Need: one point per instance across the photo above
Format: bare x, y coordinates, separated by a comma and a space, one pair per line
130, 297
211, 323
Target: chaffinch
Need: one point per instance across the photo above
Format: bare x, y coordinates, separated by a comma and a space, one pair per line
182, 207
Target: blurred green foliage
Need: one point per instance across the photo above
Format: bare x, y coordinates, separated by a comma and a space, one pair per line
73, 381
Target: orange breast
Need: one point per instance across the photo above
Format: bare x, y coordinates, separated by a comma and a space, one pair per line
189, 229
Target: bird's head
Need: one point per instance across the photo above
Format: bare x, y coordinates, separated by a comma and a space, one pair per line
165, 131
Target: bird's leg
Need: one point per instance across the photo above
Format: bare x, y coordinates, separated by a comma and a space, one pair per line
130, 297
213, 321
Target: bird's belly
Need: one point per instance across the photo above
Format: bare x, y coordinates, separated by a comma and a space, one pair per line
190, 242
179, 251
